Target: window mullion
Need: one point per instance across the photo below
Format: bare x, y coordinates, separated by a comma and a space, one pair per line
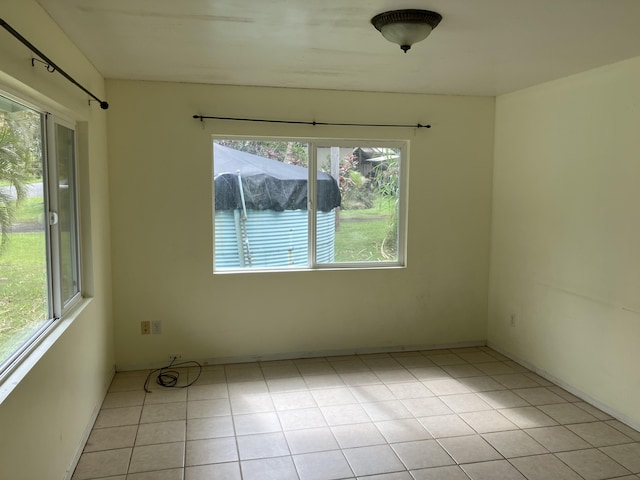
403, 203
51, 196
312, 202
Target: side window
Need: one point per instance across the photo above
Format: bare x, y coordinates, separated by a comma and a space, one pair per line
307, 204
66, 208
39, 258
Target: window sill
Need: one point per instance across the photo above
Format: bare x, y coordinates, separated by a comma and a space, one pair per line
342, 267
21, 367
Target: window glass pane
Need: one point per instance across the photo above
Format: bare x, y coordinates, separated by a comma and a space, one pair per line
24, 293
261, 204
261, 194
366, 223
65, 154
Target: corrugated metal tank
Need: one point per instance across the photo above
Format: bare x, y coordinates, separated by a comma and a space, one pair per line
275, 239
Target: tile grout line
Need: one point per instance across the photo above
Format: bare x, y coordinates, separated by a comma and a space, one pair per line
378, 368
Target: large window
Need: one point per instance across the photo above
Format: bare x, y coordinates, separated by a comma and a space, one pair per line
39, 258
308, 204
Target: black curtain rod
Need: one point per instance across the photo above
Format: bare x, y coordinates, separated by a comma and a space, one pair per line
51, 67
291, 122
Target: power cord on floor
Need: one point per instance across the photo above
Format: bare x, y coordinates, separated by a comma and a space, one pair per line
169, 378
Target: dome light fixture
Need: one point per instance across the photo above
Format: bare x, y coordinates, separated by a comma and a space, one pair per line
406, 27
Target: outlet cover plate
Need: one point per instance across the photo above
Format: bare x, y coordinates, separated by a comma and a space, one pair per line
145, 327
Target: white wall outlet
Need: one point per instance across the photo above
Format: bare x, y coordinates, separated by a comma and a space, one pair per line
156, 327
176, 356
512, 319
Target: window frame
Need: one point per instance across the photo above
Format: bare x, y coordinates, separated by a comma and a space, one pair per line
58, 308
60, 304
313, 144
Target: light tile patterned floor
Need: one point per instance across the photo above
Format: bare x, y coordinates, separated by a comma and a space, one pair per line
456, 414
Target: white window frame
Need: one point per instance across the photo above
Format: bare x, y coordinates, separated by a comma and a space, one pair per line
313, 144
60, 307
57, 307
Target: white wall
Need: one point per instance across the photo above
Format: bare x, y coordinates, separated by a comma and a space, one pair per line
564, 256
44, 419
566, 233
161, 192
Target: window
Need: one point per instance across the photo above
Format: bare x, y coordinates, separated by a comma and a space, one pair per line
39, 245
308, 204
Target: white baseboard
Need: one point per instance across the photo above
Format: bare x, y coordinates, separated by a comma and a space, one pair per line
125, 367
87, 431
569, 388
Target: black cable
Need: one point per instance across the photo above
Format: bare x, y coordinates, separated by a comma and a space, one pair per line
314, 123
169, 378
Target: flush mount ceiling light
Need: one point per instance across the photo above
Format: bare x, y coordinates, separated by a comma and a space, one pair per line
406, 27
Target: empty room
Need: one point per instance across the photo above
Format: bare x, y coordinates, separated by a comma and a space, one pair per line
369, 240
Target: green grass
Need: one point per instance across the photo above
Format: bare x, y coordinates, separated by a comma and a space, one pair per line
30, 210
23, 290
361, 234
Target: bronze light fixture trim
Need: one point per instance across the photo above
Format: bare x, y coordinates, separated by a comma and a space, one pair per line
406, 27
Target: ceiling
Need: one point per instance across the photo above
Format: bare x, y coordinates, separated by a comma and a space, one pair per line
481, 47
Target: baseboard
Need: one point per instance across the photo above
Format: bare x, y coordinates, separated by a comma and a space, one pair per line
125, 367
569, 388
87, 431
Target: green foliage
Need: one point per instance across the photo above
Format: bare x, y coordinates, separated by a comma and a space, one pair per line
368, 219
23, 260
23, 290
295, 153
387, 182
381, 189
356, 193
386, 175
20, 163
354, 186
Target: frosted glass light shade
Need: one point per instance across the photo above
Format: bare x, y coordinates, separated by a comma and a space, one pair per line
406, 27
405, 33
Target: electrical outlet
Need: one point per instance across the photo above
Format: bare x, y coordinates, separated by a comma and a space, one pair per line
145, 327
512, 319
156, 327
177, 356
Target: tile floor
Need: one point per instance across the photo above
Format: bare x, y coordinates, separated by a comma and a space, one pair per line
456, 414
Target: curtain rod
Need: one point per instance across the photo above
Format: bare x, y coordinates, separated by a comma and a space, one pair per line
202, 118
51, 67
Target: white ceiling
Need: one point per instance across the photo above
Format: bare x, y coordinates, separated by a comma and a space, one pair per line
481, 47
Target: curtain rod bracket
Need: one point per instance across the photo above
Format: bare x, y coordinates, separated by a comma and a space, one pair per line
49, 68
